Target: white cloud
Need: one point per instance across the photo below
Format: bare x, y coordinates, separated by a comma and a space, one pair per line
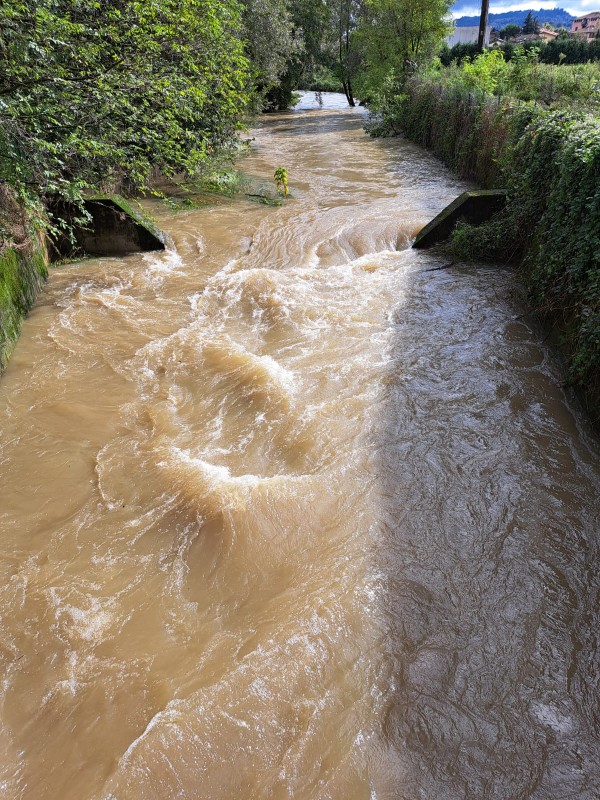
576, 8
583, 7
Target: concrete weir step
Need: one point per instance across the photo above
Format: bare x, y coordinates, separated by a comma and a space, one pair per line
114, 227
472, 207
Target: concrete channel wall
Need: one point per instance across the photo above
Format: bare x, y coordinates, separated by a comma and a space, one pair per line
113, 228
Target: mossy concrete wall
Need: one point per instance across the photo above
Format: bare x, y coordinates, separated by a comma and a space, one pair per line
23, 270
473, 207
114, 227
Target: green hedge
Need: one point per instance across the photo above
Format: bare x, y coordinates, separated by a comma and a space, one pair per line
468, 130
558, 51
550, 163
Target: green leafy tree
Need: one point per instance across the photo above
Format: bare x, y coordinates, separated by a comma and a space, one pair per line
397, 37
94, 93
345, 18
319, 59
486, 72
510, 31
273, 42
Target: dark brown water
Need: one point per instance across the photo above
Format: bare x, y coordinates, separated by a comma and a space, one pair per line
289, 511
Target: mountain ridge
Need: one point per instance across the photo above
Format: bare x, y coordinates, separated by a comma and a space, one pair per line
557, 17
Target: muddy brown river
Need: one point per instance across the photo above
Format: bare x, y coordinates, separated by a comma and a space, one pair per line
293, 511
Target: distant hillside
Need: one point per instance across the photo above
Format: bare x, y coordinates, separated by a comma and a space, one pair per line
557, 17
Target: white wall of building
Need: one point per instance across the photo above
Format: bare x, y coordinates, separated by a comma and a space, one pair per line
467, 35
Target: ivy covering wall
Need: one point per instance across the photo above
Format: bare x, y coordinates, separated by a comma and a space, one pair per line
550, 162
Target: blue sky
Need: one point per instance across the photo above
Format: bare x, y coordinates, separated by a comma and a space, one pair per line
470, 7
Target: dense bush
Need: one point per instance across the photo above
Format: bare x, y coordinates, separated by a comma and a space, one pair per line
95, 92
556, 191
466, 128
550, 162
458, 52
570, 51
552, 221
321, 79
524, 77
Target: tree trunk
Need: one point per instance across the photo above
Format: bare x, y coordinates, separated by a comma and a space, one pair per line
344, 45
348, 93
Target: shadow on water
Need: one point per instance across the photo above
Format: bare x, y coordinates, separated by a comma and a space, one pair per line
490, 489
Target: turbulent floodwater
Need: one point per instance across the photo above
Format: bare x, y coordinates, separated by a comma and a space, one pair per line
291, 510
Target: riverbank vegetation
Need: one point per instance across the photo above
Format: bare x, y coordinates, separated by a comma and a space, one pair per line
534, 129
99, 96
95, 94
562, 50
23, 269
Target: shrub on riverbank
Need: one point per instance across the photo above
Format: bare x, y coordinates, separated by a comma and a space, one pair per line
468, 130
98, 94
95, 95
524, 77
550, 162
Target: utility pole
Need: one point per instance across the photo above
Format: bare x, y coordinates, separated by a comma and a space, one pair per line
485, 10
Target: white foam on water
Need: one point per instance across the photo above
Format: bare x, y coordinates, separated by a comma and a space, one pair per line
90, 623
243, 359
164, 262
216, 475
280, 374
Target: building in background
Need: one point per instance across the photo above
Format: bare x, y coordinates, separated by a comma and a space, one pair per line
546, 35
467, 35
587, 26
